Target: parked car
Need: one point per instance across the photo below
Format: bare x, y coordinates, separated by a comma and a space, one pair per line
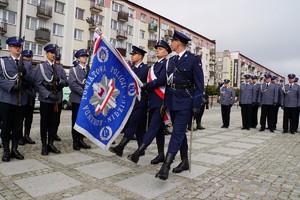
66, 104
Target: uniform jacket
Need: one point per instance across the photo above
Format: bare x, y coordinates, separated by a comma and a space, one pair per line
77, 78
256, 91
9, 66
291, 96
156, 101
227, 95
142, 72
247, 94
187, 70
41, 82
268, 95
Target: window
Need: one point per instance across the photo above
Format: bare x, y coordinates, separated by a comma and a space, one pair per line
33, 2
34, 23
3, 42
130, 12
152, 36
128, 47
164, 26
142, 34
97, 18
129, 30
79, 13
99, 2
37, 49
58, 29
115, 25
220, 59
219, 76
78, 34
116, 43
143, 17
117, 7
153, 21
59, 7
8, 16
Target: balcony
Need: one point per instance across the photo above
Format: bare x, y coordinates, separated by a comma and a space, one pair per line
95, 7
3, 27
3, 3
42, 35
121, 34
152, 43
122, 51
211, 62
123, 16
152, 28
44, 11
212, 51
168, 34
92, 27
211, 70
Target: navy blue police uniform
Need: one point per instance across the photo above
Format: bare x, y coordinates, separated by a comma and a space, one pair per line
268, 99
290, 103
49, 80
77, 79
14, 78
276, 107
255, 104
246, 100
155, 87
184, 92
28, 115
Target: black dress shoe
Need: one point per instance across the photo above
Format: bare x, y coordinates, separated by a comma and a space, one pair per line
292, 132
248, 129
223, 126
28, 140
44, 150
271, 130
84, 145
243, 128
261, 129
16, 154
22, 141
226, 126
284, 131
56, 138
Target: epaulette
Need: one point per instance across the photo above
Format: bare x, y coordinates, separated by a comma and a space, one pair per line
4, 57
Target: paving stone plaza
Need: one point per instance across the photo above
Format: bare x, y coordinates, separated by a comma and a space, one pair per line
226, 164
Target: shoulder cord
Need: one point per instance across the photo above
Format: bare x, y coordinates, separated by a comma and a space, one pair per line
284, 91
75, 73
44, 75
6, 76
262, 89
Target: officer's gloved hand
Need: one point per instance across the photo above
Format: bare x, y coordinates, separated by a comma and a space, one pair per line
60, 86
196, 111
53, 97
56, 78
17, 87
220, 84
22, 70
144, 87
282, 107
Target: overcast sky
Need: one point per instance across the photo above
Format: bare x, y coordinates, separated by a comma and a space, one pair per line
266, 31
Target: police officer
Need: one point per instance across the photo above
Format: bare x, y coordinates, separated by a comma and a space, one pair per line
227, 96
14, 75
183, 96
268, 99
28, 115
77, 79
50, 80
135, 124
255, 105
246, 99
290, 103
276, 107
297, 120
156, 87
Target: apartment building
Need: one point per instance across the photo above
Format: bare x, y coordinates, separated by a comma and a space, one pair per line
234, 65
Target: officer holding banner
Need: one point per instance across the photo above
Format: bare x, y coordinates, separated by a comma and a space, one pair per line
135, 125
15, 75
50, 80
156, 89
77, 79
183, 96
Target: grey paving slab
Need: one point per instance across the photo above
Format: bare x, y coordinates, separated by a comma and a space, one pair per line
71, 158
196, 170
227, 151
102, 170
147, 185
241, 145
17, 167
263, 137
208, 141
221, 137
197, 145
211, 159
46, 184
143, 161
251, 140
107, 153
234, 134
93, 195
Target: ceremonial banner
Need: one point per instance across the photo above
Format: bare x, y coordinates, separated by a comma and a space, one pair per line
109, 95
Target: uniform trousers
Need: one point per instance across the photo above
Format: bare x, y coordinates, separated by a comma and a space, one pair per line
290, 117
75, 108
12, 121
49, 121
225, 110
29, 115
199, 115
156, 128
178, 140
267, 114
254, 116
276, 109
246, 110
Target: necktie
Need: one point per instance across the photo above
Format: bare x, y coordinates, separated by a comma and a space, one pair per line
290, 86
176, 58
83, 70
267, 84
17, 62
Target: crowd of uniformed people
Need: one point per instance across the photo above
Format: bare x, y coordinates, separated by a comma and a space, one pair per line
172, 87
